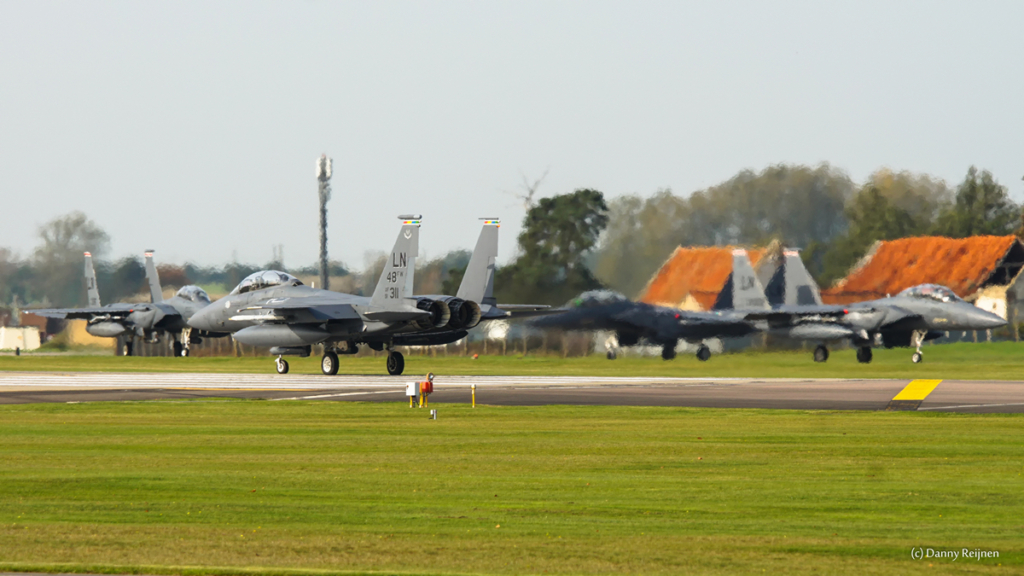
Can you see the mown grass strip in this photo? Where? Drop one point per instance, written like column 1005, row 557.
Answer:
column 294, row 487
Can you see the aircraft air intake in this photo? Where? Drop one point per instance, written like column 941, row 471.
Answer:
column 440, row 314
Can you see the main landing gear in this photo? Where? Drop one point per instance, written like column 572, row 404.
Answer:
column 821, row 353
column 396, row 363
column 703, row 353
column 668, row 351
column 864, row 354
column 329, row 363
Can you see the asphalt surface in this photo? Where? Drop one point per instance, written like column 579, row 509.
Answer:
column 800, row 394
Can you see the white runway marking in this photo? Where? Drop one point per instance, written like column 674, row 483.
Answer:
column 123, row 380
column 970, row 406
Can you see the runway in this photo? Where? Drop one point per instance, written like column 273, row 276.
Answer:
column 798, row 394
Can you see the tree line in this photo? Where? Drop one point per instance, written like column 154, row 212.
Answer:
column 580, row 241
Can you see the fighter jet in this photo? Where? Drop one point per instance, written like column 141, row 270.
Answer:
column 275, row 309
column 739, row 310
column 910, row 318
column 630, row 322
column 127, row 321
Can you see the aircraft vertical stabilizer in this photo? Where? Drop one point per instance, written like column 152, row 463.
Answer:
column 478, row 280
column 395, row 284
column 742, row 290
column 156, row 293
column 801, row 289
column 91, row 290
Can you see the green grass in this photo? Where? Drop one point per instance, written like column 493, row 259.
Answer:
column 1002, row 360
column 270, row 487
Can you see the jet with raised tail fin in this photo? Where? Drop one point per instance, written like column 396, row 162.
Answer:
column 275, row 309
column 908, row 319
column 147, row 321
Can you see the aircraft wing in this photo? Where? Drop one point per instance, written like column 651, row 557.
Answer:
column 87, row 313
column 518, row 311
column 791, row 313
column 643, row 320
column 326, row 309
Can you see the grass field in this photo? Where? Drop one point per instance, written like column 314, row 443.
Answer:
column 1002, row 360
column 255, row 486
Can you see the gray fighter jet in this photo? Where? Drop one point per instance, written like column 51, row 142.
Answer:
column 910, row 318
column 127, row 321
column 276, row 310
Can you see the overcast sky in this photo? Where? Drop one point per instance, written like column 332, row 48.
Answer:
column 192, row 127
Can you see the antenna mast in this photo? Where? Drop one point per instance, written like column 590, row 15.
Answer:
column 323, row 176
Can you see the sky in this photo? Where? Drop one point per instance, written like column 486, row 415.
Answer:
column 193, row 128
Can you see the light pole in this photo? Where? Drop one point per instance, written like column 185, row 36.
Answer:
column 323, row 176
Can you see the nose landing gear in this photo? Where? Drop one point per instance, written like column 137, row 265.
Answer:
column 282, row 365
column 917, row 339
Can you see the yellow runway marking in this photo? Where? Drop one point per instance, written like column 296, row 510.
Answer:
column 917, row 390
column 912, row 395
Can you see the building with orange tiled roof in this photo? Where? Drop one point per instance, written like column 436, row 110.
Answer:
column 693, row 277
column 980, row 269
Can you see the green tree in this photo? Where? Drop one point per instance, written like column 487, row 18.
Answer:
column 887, row 206
column 558, row 235
column 799, row 205
column 982, row 206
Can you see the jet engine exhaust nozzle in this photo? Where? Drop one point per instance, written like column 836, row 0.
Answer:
column 440, row 313
column 465, row 313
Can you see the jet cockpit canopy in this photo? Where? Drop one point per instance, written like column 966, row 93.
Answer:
column 597, row 298
column 265, row 279
column 194, row 293
column 933, row 291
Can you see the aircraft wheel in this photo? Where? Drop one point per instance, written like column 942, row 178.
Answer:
column 917, row 357
column 610, row 355
column 864, row 354
column 184, row 352
column 282, row 366
column 396, row 363
column 668, row 352
column 703, row 353
column 329, row 363
column 177, row 348
column 129, row 348
column 821, row 353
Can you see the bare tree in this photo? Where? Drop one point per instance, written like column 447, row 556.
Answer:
column 528, row 190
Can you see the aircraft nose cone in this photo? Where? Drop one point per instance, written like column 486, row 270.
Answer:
column 986, row 320
column 200, row 320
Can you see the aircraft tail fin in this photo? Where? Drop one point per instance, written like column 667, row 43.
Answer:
column 801, row 289
column 478, row 280
column 395, row 284
column 91, row 290
column 742, row 290
column 156, row 293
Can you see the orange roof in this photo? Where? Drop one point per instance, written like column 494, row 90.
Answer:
column 700, row 272
column 962, row 264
